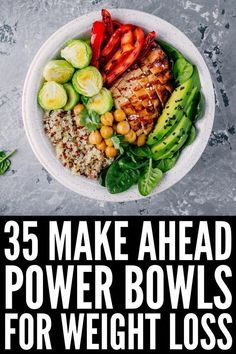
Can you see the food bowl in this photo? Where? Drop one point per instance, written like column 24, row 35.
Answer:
column 32, row 113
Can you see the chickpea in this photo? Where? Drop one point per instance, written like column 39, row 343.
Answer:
column 95, row 138
column 123, row 127
column 130, row 136
column 107, row 119
column 106, row 132
column 78, row 109
column 101, row 146
column 141, row 140
column 109, row 142
column 111, row 151
column 119, row 115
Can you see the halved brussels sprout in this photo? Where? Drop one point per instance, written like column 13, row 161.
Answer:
column 58, row 70
column 73, row 97
column 101, row 103
column 78, row 53
column 52, row 96
column 88, row 81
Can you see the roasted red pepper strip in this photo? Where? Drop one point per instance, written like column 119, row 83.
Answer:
column 97, row 37
column 148, row 43
column 116, row 24
column 117, row 58
column 107, row 20
column 115, row 40
column 129, row 60
column 127, row 41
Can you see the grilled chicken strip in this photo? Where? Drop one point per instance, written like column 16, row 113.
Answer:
column 143, row 90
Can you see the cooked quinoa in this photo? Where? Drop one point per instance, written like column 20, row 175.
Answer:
column 70, row 140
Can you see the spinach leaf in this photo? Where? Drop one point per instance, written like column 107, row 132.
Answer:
column 141, row 151
column 118, row 179
column 149, row 179
column 102, row 176
column 166, row 164
column 171, row 51
column 130, row 162
column 182, row 70
column 90, row 119
column 191, row 137
column 200, row 107
column 4, row 161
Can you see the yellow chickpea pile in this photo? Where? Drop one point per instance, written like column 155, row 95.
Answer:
column 113, row 122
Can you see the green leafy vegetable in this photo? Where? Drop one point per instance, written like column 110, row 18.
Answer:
column 199, row 108
column 119, row 143
column 149, row 179
column 166, row 164
column 102, row 176
column 118, row 179
column 84, row 100
column 141, row 151
column 171, row 51
column 90, row 119
column 192, row 136
column 182, row 70
column 4, row 161
column 130, row 162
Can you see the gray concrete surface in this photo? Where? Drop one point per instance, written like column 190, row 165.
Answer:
column 210, row 188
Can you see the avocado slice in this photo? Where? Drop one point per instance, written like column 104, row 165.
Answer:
column 175, row 108
column 179, row 144
column 175, row 138
column 191, row 108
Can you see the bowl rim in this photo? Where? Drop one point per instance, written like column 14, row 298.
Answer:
column 105, row 196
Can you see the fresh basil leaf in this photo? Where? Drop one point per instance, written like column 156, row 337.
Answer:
column 182, row 70
column 4, row 161
column 166, row 164
column 149, row 179
column 90, row 119
column 118, row 179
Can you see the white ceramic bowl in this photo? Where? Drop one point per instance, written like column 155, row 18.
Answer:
column 32, row 114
